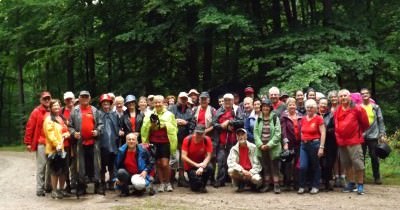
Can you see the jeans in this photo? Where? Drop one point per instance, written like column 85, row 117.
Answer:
column 309, row 161
column 42, row 173
column 371, row 145
column 222, row 155
column 198, row 182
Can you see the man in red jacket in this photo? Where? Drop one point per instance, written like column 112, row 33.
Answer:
column 350, row 123
column 36, row 141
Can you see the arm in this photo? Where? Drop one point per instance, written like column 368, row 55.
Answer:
column 257, row 134
column 322, row 130
column 30, row 128
column 285, row 140
column 276, row 139
column 231, row 161
column 50, row 130
column 100, row 125
column 150, row 161
column 145, row 130
column 381, row 124
column 247, row 127
column 256, row 165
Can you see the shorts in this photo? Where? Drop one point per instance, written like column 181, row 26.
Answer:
column 352, row 156
column 162, row 150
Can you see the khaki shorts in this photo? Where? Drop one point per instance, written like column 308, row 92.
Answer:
column 352, row 156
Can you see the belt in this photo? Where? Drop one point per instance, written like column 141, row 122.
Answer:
column 309, row 141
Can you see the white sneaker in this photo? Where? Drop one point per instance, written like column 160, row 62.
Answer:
column 314, row 190
column 161, row 187
column 301, row 190
column 168, row 187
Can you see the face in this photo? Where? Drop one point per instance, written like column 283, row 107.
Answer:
column 221, row 101
column 344, row 98
column 228, row 103
column 204, row 101
column 323, row 105
column 311, row 95
column 299, row 97
column 131, row 140
column 236, row 99
column 194, row 98
column 171, row 101
column 183, row 100
column 55, row 109
column 199, row 135
column 265, row 109
column 45, row 101
column 69, row 102
column 365, row 95
column 241, row 137
column 84, row 100
column 274, row 97
column 257, row 106
column 150, row 102
column 334, row 99
column 142, row 104
column 106, row 106
column 310, row 110
column 119, row 106
column 158, row 105
column 291, row 107
column 248, row 106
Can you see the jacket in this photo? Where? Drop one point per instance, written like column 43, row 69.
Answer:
column 236, row 122
column 167, row 119
column 54, row 134
column 233, row 159
column 274, row 143
column 350, row 125
column 75, row 126
column 377, row 128
column 287, row 128
column 183, row 130
column 145, row 161
column 210, row 112
column 110, row 135
column 330, row 129
column 34, row 127
column 249, row 123
column 126, row 123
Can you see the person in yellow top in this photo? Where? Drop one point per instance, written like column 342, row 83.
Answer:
column 160, row 129
column 56, row 130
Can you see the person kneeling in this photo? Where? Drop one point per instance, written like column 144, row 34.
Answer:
column 196, row 154
column 243, row 165
column 132, row 167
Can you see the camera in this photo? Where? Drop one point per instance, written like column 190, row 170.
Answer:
column 154, row 119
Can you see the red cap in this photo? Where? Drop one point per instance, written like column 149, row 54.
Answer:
column 45, row 94
column 105, row 97
column 249, row 90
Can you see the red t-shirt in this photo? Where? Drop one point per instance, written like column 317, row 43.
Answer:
column 87, row 126
column 133, row 123
column 224, row 136
column 201, row 119
column 275, row 106
column 130, row 162
column 159, row 136
column 310, row 128
column 296, row 128
column 244, row 159
column 197, row 151
column 66, row 115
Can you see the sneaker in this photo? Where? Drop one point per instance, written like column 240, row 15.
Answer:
column 168, row 187
column 40, row 193
column 218, row 184
column 240, row 188
column 161, row 187
column 53, row 194
column 301, row 190
column 378, row 181
column 203, row 190
column 265, row 188
column 351, row 187
column 182, row 182
column 151, row 191
column 314, row 190
column 65, row 194
column 99, row 189
column 277, row 189
column 360, row 189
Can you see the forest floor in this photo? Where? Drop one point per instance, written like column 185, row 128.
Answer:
column 17, row 190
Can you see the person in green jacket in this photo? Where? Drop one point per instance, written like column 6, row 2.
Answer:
column 160, row 129
column 267, row 136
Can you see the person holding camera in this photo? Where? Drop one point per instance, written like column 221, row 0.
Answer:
column 55, row 131
column 160, row 129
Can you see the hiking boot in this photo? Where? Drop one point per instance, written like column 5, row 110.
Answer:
column 65, row 194
column 218, row 184
column 360, row 189
column 151, row 191
column 40, row 193
column 314, row 190
column 328, row 186
column 54, row 194
column 168, row 187
column 265, row 188
column 351, row 187
column 182, row 182
column 161, row 187
column 203, row 190
column 99, row 189
column 240, row 188
column 301, row 190
column 378, row 181
column 110, row 186
column 277, row 189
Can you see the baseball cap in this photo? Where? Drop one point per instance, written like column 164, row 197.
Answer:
column 193, row 91
column 130, row 98
column 228, row 96
column 183, row 94
column 45, row 94
column 241, row 130
column 204, row 95
column 84, row 93
column 150, row 96
column 199, row 128
column 69, row 94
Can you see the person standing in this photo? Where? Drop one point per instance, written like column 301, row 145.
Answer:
column 351, row 121
column 85, row 127
column 278, row 105
column 69, row 99
column 131, row 121
column 35, row 140
column 375, row 133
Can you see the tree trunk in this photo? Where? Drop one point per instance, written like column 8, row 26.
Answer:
column 313, row 11
column 20, row 68
column 207, row 58
column 256, row 9
column 288, row 13
column 2, row 81
column 373, row 82
column 227, row 69
column 121, row 65
column 192, row 63
column 294, row 12
column 109, row 67
column 92, row 70
column 327, row 4
column 303, row 12
column 235, row 62
column 69, row 64
column 276, row 16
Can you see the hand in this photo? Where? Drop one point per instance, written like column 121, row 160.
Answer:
column 59, row 147
column 29, row 148
column 183, row 122
column 264, row 147
column 225, row 124
column 117, row 182
column 246, row 173
column 320, row 152
column 66, row 135
column 121, row 133
column 382, row 139
column 199, row 171
column 143, row 174
column 94, row 133
column 231, row 128
column 77, row 135
column 286, row 146
column 202, row 165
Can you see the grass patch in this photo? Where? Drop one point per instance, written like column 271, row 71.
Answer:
column 13, row 148
column 152, row 204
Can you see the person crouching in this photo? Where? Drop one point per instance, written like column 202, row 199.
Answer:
column 243, row 164
column 133, row 160
column 196, row 154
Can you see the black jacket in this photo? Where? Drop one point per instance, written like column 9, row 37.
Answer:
column 127, row 126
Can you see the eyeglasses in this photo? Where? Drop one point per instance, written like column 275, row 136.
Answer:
column 365, row 93
column 46, row 99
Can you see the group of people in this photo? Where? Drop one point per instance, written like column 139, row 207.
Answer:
column 262, row 144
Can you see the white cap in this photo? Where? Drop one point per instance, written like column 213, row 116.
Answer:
column 183, row 94
column 193, row 91
column 69, row 94
column 228, row 96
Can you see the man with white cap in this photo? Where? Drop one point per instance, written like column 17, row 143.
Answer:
column 183, row 116
column 69, row 99
column 194, row 95
column 224, row 122
column 243, row 164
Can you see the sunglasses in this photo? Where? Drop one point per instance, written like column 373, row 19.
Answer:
column 46, row 98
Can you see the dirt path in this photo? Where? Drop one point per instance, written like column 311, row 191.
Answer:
column 17, row 191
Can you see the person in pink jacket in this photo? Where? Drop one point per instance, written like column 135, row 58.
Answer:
column 350, row 123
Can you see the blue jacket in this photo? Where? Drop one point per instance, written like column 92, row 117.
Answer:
column 145, row 161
